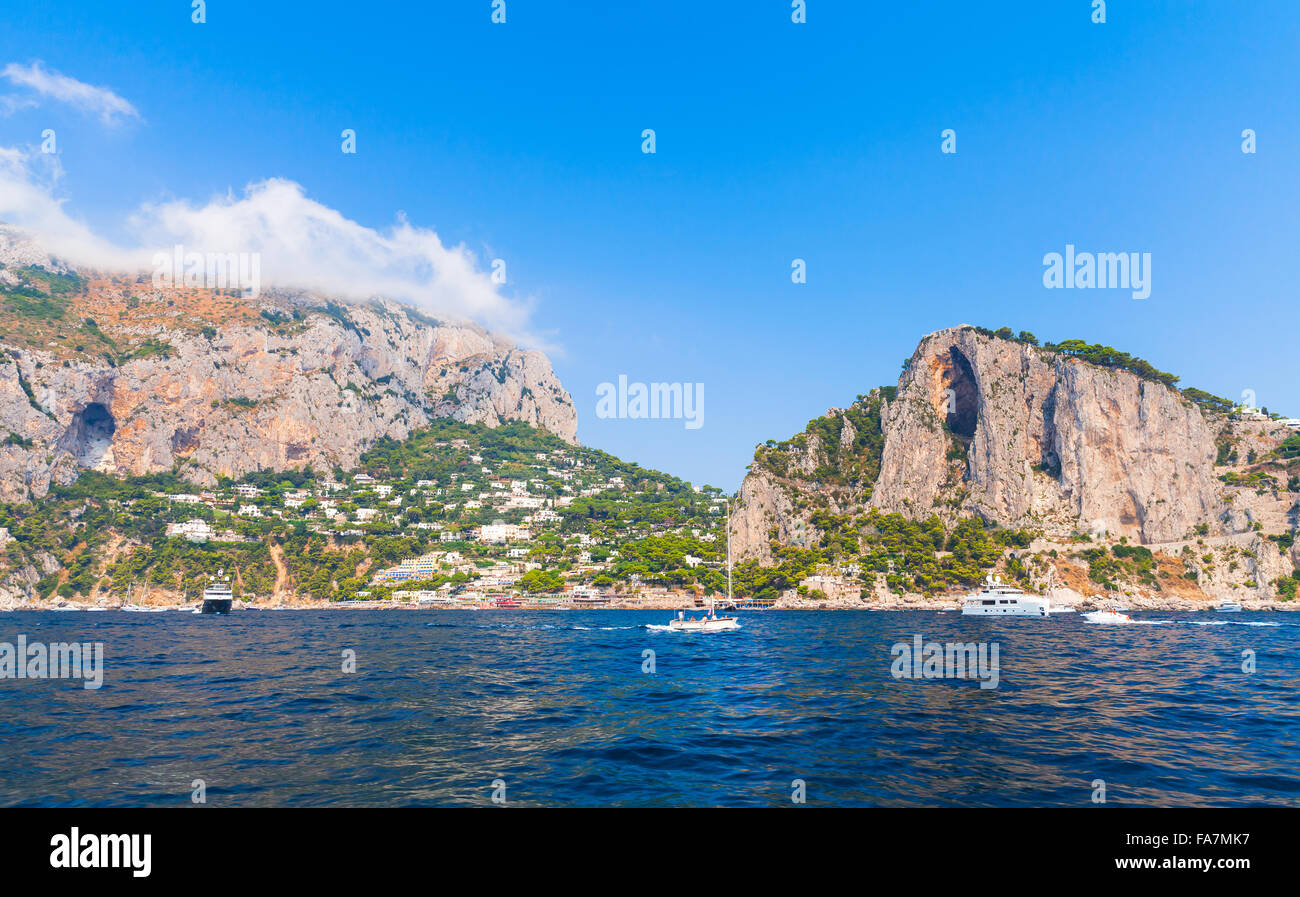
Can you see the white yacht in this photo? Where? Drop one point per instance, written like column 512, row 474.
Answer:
column 217, row 599
column 711, row 622
column 999, row 600
column 1228, row 607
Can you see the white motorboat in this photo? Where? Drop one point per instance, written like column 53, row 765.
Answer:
column 999, row 600
column 711, row 622
column 1228, row 607
column 1109, row 617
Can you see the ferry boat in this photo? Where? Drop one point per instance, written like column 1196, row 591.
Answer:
column 1228, row 607
column 217, row 599
column 999, row 600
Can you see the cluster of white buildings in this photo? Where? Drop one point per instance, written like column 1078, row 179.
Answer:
column 197, row 530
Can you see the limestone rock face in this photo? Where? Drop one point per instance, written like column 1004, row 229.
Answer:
column 244, row 397
column 1046, row 439
column 1030, row 438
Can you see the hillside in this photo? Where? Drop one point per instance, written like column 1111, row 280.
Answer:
column 502, row 510
column 1071, row 457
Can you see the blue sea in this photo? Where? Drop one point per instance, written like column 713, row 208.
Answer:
column 545, row 708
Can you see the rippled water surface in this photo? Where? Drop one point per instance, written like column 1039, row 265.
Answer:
column 555, row 705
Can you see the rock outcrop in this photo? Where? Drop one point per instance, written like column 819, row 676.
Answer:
column 1029, row 437
column 297, row 380
column 1043, row 438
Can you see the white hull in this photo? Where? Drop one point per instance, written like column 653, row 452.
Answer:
column 717, row 625
column 1019, row 609
column 1107, row 617
column 998, row 600
column 1228, row 608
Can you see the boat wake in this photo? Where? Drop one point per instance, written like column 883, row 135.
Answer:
column 1109, row 618
column 1234, row 623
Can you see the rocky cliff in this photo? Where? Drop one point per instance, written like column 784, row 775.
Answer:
column 1024, row 435
column 105, row 372
column 1020, row 435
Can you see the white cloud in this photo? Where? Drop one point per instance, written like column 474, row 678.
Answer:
column 101, row 101
column 27, row 183
column 305, row 244
column 302, row 243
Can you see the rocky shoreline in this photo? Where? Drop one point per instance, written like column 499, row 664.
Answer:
column 917, row 602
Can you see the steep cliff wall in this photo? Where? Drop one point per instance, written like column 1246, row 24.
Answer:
column 1039, row 437
column 1034, row 438
column 114, row 376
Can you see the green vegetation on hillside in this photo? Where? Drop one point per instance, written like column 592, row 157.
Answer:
column 1106, row 356
column 1290, row 447
column 103, row 535
column 853, row 464
column 914, row 555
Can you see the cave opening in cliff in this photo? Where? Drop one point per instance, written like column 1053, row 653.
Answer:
column 962, row 397
column 92, row 435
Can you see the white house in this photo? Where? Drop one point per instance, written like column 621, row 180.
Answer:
column 192, row 530
column 499, row 533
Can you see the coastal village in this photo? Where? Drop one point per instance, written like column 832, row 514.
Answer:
column 489, row 528
column 511, row 518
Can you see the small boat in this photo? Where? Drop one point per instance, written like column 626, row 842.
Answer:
column 1228, row 607
column 711, row 622
column 998, row 600
column 706, row 623
column 217, row 599
column 1107, row 617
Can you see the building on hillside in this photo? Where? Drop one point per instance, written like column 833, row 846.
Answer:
column 500, row 533
column 191, row 530
column 426, row 566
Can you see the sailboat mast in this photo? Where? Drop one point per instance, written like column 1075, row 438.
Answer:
column 728, row 525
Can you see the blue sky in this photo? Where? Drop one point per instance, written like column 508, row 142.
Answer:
column 775, row 141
